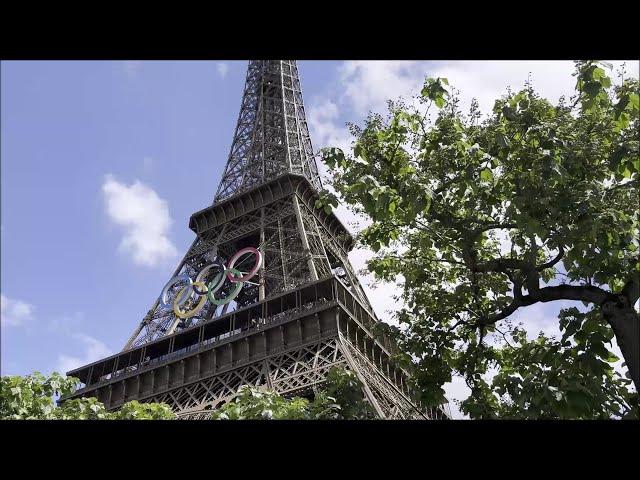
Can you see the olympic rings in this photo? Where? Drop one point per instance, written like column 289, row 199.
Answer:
column 164, row 300
column 207, row 291
column 193, row 311
column 220, row 278
column 202, row 274
column 251, row 272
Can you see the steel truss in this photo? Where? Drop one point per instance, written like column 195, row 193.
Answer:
column 296, row 242
column 297, row 373
column 271, row 135
column 290, row 372
column 266, row 200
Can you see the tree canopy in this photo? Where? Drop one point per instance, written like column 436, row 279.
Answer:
column 33, row 397
column 481, row 218
column 340, row 398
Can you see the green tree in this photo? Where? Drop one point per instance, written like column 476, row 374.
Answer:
column 546, row 378
column 32, row 397
column 134, row 410
column 340, row 398
column 255, row 403
column 481, row 218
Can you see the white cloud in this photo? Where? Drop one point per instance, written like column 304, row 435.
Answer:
column 18, row 313
column 365, row 86
column 488, row 80
column 369, row 84
column 223, row 69
column 325, row 131
column 93, row 350
column 145, row 219
column 14, row 313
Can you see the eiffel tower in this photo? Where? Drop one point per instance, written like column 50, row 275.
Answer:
column 265, row 295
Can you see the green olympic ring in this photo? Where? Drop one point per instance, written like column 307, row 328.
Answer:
column 218, row 281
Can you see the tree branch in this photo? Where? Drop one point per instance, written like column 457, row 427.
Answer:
column 551, row 263
column 584, row 293
column 503, row 264
column 494, row 226
column 631, row 289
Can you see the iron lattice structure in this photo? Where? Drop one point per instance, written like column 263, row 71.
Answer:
column 271, row 136
column 305, row 313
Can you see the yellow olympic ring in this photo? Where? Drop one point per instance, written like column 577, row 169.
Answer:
column 197, row 308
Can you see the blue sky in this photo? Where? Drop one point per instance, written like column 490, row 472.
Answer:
column 103, row 163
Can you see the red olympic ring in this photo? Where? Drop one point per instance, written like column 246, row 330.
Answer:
column 251, row 272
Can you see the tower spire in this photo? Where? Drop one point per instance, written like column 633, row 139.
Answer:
column 271, row 136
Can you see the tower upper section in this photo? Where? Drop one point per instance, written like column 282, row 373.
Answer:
column 272, row 136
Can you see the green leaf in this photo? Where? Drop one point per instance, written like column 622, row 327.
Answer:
column 578, row 402
column 611, row 358
column 486, row 175
column 509, row 113
column 502, row 140
column 332, row 156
